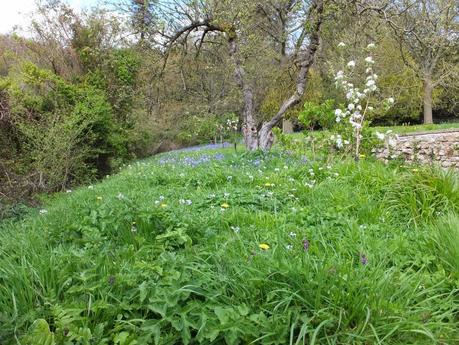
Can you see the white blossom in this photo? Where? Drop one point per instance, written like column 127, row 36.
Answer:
column 341, row 45
column 371, row 46
column 369, row 59
column 351, row 64
column 380, row 136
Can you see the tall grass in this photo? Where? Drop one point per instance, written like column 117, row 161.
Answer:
column 150, row 256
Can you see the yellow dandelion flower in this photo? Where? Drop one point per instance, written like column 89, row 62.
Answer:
column 414, row 170
column 267, row 184
column 224, row 205
column 99, row 198
column 263, row 246
column 362, row 156
column 163, row 205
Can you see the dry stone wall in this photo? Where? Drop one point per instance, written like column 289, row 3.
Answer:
column 440, row 147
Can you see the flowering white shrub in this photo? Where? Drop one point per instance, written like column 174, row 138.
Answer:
column 360, row 101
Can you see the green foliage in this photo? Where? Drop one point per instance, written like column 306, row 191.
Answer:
column 318, row 116
column 423, row 194
column 208, row 127
column 444, row 238
column 66, row 132
column 129, row 261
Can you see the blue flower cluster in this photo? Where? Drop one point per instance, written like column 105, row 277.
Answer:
column 205, row 147
column 190, row 160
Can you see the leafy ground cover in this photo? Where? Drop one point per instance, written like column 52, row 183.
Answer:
column 220, row 247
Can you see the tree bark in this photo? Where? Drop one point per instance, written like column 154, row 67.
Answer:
column 428, row 88
column 287, row 126
column 266, row 137
column 249, row 127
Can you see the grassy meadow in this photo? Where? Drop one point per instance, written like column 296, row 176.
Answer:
column 218, row 247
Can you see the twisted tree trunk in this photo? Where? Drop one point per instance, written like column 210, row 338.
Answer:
column 249, row 127
column 264, row 138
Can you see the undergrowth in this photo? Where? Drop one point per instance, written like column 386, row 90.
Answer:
column 218, row 247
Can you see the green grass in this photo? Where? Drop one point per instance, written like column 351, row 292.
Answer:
column 395, row 129
column 132, row 261
column 418, row 128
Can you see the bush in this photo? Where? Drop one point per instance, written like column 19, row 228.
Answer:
column 318, row 116
column 65, row 132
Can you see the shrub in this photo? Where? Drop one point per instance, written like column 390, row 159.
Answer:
column 66, row 132
column 318, row 116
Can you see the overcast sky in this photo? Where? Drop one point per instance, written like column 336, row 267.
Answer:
column 17, row 12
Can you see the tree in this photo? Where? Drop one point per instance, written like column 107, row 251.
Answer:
column 143, row 17
column 236, row 26
column 428, row 30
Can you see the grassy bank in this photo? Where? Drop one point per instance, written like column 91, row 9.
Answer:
column 216, row 247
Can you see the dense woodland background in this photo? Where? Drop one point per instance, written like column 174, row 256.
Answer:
column 83, row 93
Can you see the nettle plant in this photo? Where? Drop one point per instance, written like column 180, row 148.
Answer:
column 362, row 102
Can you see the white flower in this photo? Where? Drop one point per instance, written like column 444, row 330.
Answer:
column 292, row 234
column 338, row 112
column 368, row 70
column 370, row 108
column 391, row 100
column 288, row 247
column 91, row 187
column 351, row 106
column 43, row 211
column 341, row 45
column 236, row 229
column 351, row 64
column 68, row 191
column 346, row 142
column 229, row 178
column 370, row 83
column 369, row 59
column 380, row 136
column 371, row 46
